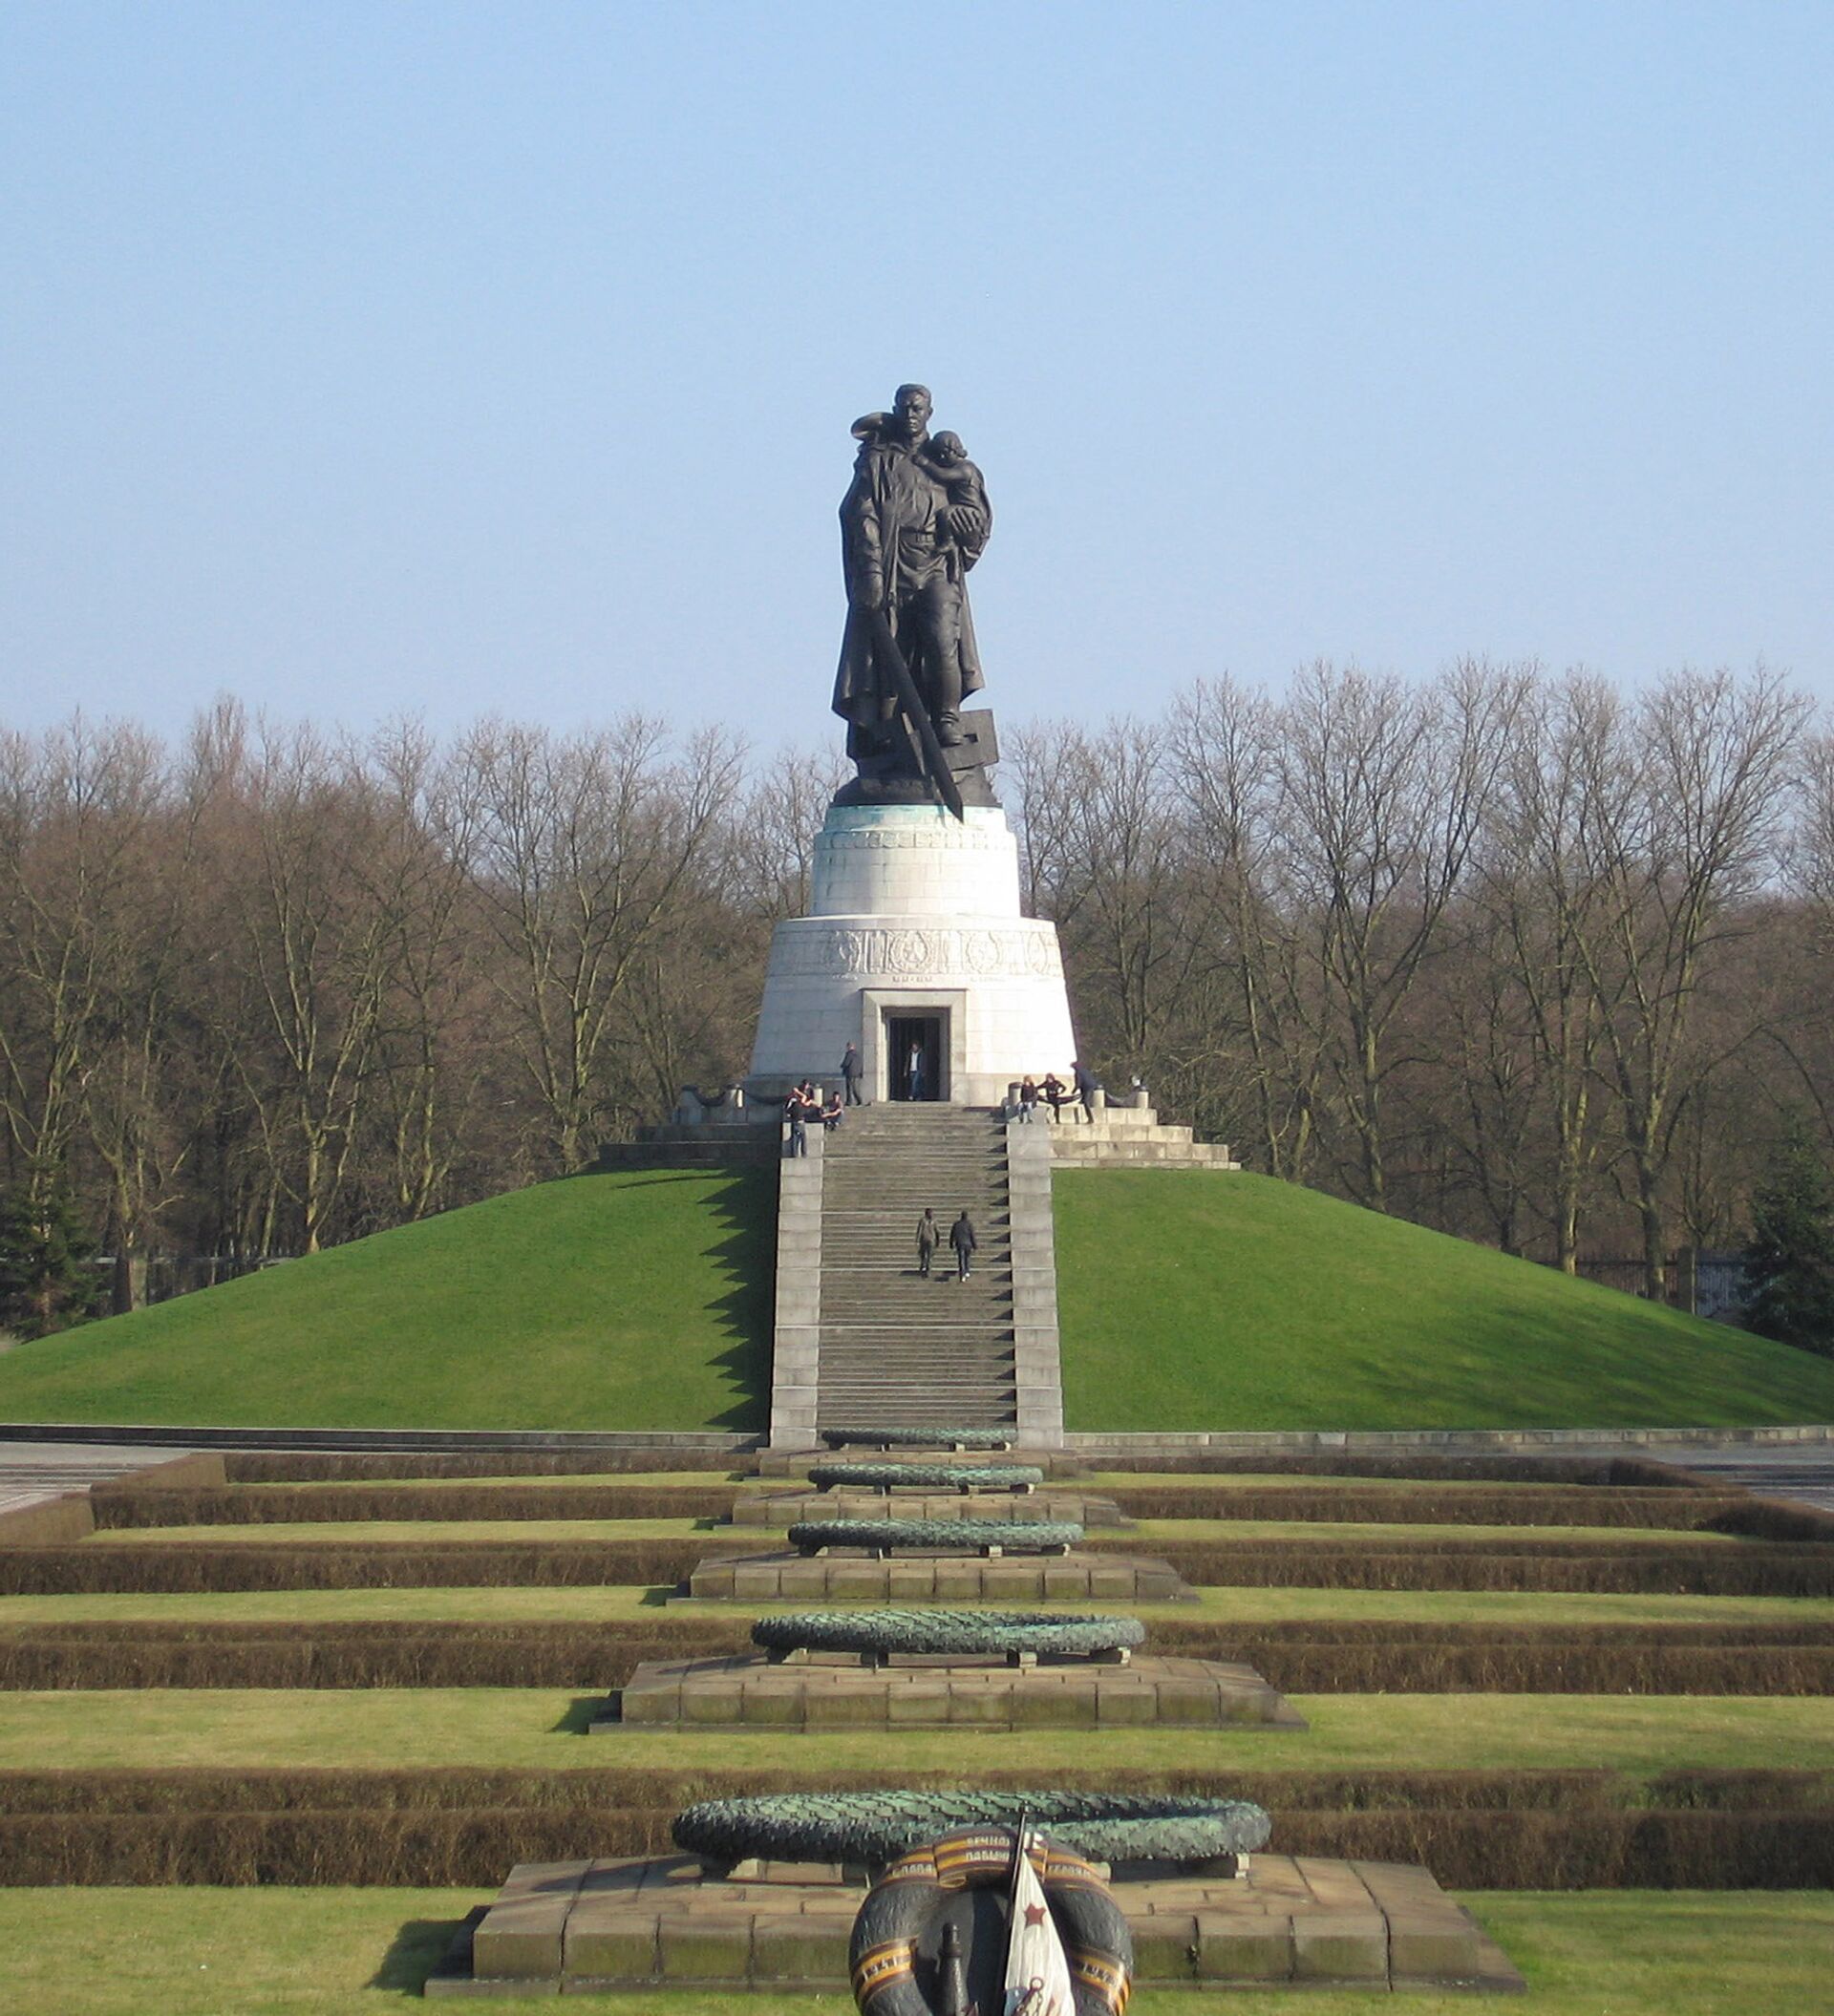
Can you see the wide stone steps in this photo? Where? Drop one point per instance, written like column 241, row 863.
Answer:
column 895, row 1348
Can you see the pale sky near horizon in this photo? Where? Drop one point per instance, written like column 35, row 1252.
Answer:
column 449, row 358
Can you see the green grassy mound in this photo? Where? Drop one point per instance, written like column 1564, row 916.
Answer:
column 640, row 1300
column 1189, row 1299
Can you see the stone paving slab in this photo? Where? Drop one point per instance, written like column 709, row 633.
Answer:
column 785, row 1508
column 1284, row 1921
column 850, row 1576
column 836, row 1692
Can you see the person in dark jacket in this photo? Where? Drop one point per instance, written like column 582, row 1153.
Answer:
column 850, row 1070
column 1088, row 1085
column 961, row 1237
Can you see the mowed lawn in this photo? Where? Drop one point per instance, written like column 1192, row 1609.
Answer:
column 640, row 1300
column 1193, row 1300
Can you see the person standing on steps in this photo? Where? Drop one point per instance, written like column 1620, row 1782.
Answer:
column 961, row 1236
column 850, row 1074
column 930, row 1236
column 914, row 1073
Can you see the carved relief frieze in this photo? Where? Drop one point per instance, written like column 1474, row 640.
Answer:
column 1027, row 951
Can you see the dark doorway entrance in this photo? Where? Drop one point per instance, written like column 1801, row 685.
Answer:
column 922, row 1034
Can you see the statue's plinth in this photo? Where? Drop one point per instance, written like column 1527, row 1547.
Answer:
column 853, row 1577
column 835, row 1691
column 915, row 928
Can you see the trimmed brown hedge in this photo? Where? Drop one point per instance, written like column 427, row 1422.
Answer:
column 188, row 1568
column 255, row 1467
column 1556, row 1506
column 123, row 1505
column 1529, row 1565
column 191, row 1789
column 1296, row 1657
column 1507, row 1850
column 1587, row 1469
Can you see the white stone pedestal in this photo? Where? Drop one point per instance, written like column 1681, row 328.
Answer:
column 914, row 915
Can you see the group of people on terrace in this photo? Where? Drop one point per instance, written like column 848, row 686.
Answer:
column 1053, row 1092
column 805, row 1104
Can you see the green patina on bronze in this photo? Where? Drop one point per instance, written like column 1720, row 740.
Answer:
column 946, row 1631
column 933, row 1477
column 973, row 1536
column 877, row 1826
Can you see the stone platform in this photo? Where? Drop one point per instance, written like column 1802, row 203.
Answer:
column 835, row 1691
column 785, row 1508
column 586, row 1927
column 799, row 1462
column 838, row 1577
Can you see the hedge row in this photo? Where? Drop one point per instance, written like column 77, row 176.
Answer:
column 1641, row 1571
column 1319, row 1659
column 257, row 1468
column 191, row 1790
column 123, row 1505
column 1592, row 1469
column 1515, row 1850
column 188, row 1568
column 1556, row 1506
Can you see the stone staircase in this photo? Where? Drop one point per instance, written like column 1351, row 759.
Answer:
column 896, row 1349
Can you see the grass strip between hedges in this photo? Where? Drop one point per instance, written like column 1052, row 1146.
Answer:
column 258, row 1728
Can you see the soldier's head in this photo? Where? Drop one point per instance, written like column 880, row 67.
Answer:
column 911, row 411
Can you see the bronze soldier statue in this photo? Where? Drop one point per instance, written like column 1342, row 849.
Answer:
column 913, row 521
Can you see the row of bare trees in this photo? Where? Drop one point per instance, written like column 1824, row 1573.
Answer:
column 270, row 989
column 1526, row 957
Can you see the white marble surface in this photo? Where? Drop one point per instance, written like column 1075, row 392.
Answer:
column 914, row 911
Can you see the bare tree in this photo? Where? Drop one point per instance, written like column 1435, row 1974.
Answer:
column 586, row 844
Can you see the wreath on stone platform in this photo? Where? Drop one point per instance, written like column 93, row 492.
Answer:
column 875, row 1828
column 923, row 1437
column 946, row 1631
column 935, row 1476
column 1010, row 1535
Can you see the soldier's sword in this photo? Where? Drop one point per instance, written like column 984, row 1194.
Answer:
column 885, row 649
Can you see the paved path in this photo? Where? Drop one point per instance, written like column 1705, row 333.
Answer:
column 30, row 1472
column 1802, row 1474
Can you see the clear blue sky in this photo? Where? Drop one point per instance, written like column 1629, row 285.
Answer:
column 449, row 357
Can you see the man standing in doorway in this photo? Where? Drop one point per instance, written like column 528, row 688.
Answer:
column 914, row 1085
column 961, row 1237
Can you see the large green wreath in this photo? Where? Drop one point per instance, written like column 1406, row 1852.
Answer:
column 1010, row 1535
column 877, row 1826
column 923, row 1437
column 936, row 1476
column 959, row 1631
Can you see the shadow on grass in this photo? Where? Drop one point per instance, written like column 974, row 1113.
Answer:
column 419, row 1948
column 744, row 1205
column 581, row 1714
